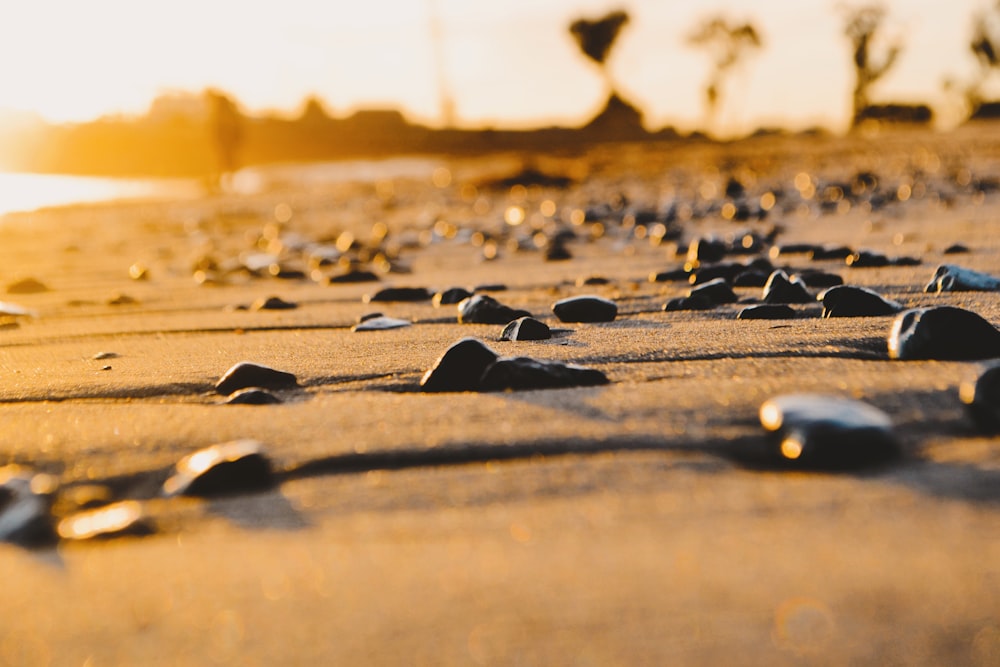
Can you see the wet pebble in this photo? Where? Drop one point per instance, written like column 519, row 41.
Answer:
column 944, row 333
column 587, row 308
column 353, row 276
column 450, row 297
column 818, row 279
column 381, row 323
column 272, row 303
column 851, row 301
column 459, row 368
column 409, row 294
column 523, row 373
column 715, row 291
column 252, row 396
column 952, row 278
column 766, row 311
column 817, row 431
column 782, row 289
column 707, row 249
column 26, row 499
column 697, row 302
column 956, row 249
column 247, row 374
column 115, row 520
column 526, row 328
column 484, row 309
column 982, row 398
column 239, row 466
column 669, row 276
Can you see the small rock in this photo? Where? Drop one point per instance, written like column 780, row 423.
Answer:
column 484, row 309
column 138, row 271
column 353, row 276
column 781, row 289
column 451, row 296
column 410, row 294
column 943, row 333
column 751, row 278
column 590, row 281
column 864, row 259
column 715, row 291
column 26, row 501
column 817, row 279
column 556, row 251
column 490, row 287
column 522, row 373
column 246, row 374
column 951, row 278
column 827, row 252
column 122, row 300
column 703, row 250
column 982, row 398
column 794, row 249
column 252, row 396
column 27, row 286
column 673, row 275
column 459, row 368
column 697, row 302
column 956, row 249
column 13, row 310
column 239, row 466
column 850, row 301
column 585, row 309
column 369, row 316
column 828, row 432
column 381, row 324
column 526, row 328
column 115, row 520
column 100, row 356
column 273, row 303
column 766, row 312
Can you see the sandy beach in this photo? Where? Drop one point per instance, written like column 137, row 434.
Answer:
column 638, row 522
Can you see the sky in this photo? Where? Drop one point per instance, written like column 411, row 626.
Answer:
column 507, row 64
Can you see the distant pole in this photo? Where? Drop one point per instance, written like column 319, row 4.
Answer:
column 437, row 44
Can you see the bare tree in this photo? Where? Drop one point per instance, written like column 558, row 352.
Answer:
column 861, row 27
column 595, row 39
column 728, row 43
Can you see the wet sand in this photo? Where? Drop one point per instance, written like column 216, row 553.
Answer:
column 632, row 523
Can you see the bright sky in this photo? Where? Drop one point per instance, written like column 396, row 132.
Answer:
column 509, row 63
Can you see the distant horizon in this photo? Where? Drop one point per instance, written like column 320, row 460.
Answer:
column 511, row 67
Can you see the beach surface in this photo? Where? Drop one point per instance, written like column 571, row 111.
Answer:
column 638, row 522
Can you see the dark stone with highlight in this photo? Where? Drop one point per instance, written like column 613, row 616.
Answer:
column 766, row 311
column 781, row 289
column 452, row 296
column 945, row 333
column 240, row 466
column 851, row 301
column 459, row 368
column 982, row 399
column 715, row 291
column 407, row 294
column 484, row 309
column 526, row 328
column 585, row 309
column 523, row 373
column 273, row 303
column 246, row 374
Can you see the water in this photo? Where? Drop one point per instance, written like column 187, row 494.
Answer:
column 29, row 192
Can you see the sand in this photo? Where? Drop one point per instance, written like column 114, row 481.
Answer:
column 626, row 524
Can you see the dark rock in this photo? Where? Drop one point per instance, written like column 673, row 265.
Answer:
column 850, row 301
column 400, row 294
column 556, row 251
column 727, row 271
column 246, row 374
column 818, row 279
column 354, row 276
column 273, row 303
column 944, row 333
column 115, row 520
column 452, row 296
column 526, row 328
column 252, row 396
column 715, row 291
column 490, row 287
column 817, row 431
column 838, row 252
column 865, row 259
column 483, row 309
column 697, row 302
column 982, row 399
column 521, row 373
column 781, row 289
column 27, row 286
column 239, row 466
column 100, row 356
column 381, row 324
column 286, row 272
column 459, row 368
column 795, row 249
column 590, row 281
column 956, row 249
column 675, row 275
column 905, row 261
column 751, row 278
column 703, row 250
column 585, row 309
column 370, row 316
column 766, row 312
column 951, row 278
column 26, row 501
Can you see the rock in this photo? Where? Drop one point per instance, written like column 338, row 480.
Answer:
column 252, row 396
column 817, row 279
column 246, row 374
column 353, row 276
column 490, row 287
column 459, row 368
column 585, row 309
column 703, row 250
column 905, row 261
column 272, row 303
column 27, row 286
column 697, row 302
column 115, row 520
column 982, row 398
column 794, row 249
column 14, row 310
column 411, row 294
column 381, row 323
column 951, row 278
column 590, row 281
column 781, row 289
column 865, row 259
column 850, row 301
column 526, row 328
column 766, row 312
column 100, row 356
column 239, row 466
column 26, row 501
column 673, row 275
column 122, row 300
column 943, row 333
column 451, row 296
column 715, row 292
column 820, row 431
column 484, row 309
column 726, row 270
column 369, row 316
column 956, row 249
column 751, row 278
column 834, row 252
column 556, row 251
column 522, row 373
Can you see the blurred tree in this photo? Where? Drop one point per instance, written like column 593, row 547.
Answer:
column 728, row 44
column 861, row 27
column 595, row 39
column 226, row 128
